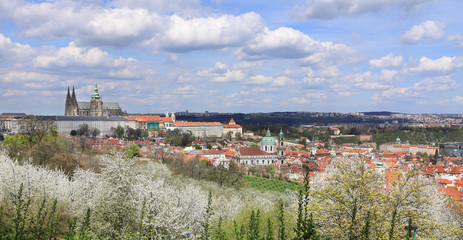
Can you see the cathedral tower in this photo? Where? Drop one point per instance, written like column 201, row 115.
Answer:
column 96, row 103
column 68, row 105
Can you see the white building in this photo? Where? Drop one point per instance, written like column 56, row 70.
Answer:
column 106, row 125
column 200, row 129
column 232, row 129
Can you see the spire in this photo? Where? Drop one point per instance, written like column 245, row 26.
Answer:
column 281, row 133
column 67, row 105
column 95, row 92
column 74, row 98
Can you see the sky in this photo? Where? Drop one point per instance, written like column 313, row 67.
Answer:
column 153, row 56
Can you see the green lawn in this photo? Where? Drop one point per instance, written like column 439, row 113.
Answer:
column 276, row 185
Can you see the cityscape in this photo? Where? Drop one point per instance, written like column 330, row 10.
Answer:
column 231, row 120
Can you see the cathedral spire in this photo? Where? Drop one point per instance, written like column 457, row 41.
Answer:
column 74, row 98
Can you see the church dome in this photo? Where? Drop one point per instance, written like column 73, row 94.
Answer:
column 268, row 138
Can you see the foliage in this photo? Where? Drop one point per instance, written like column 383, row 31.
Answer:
column 205, row 225
column 353, row 200
column 133, row 151
column 120, row 131
column 29, row 220
column 83, row 130
column 265, row 184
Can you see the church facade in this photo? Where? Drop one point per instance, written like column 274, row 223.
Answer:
column 96, row 106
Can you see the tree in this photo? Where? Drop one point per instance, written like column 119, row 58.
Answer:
column 133, row 151
column 238, row 136
column 34, row 128
column 119, row 131
column 95, row 132
column 73, row 133
column 353, row 199
column 83, row 130
column 205, row 225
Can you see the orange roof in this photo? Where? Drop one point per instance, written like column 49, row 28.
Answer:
column 231, row 121
column 143, row 118
column 443, row 181
column 231, row 126
column 229, row 153
column 252, row 151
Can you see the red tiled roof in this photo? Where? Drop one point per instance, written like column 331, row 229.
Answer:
column 252, row 151
column 231, row 126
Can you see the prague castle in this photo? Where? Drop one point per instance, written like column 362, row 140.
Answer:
column 96, row 106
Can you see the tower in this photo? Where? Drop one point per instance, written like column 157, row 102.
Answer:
column 268, row 144
column 96, row 103
column 74, row 103
column 68, row 105
column 281, row 147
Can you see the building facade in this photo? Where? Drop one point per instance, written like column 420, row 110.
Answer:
column 232, row 129
column 200, row 129
column 106, row 125
column 96, row 106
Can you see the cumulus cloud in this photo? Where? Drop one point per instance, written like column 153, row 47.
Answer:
column 336, row 8
column 289, row 43
column 78, row 59
column 436, row 84
column 184, row 7
column 387, row 61
column 10, row 50
column 208, row 33
column 428, row 30
column 130, row 26
column 441, row 66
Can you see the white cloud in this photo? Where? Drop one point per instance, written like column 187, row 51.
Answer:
column 289, row 43
column 387, row 61
column 418, row 90
column 435, row 84
column 17, row 77
column 336, row 8
column 458, row 38
column 10, row 50
column 128, row 25
column 183, row 7
column 88, row 60
column 208, row 33
column 280, row 81
column 372, row 81
column 428, row 30
column 441, row 66
column 221, row 73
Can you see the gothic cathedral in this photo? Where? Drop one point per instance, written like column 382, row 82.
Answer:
column 95, row 107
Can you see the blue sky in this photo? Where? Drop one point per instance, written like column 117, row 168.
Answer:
column 233, row 56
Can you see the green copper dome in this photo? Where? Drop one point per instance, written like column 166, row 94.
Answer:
column 268, row 138
column 281, row 133
column 95, row 92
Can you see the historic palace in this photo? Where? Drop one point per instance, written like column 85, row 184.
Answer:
column 96, row 106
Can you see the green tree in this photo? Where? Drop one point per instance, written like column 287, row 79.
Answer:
column 133, row 151
column 205, row 224
column 119, row 131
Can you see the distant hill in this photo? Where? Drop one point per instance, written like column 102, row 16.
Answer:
column 380, row 113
